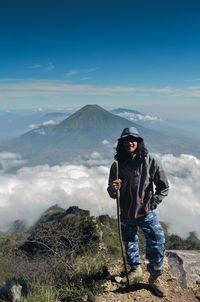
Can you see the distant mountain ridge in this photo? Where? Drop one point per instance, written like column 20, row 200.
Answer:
column 93, row 122
column 122, row 110
column 55, row 115
column 136, row 116
column 84, row 132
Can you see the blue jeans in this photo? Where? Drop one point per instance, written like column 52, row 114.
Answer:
column 155, row 241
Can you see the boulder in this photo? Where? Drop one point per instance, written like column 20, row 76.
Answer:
column 13, row 290
column 185, row 265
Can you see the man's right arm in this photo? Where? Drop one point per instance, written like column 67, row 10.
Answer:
column 113, row 183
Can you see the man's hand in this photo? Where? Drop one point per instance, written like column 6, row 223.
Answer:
column 116, row 184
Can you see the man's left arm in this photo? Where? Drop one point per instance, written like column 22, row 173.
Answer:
column 161, row 185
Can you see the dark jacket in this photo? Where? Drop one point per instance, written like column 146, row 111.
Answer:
column 137, row 193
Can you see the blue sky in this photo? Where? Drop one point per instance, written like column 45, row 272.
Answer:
column 142, row 54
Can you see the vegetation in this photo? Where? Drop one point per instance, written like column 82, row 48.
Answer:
column 61, row 257
column 65, row 256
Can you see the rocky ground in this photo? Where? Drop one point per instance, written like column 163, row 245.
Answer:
column 141, row 292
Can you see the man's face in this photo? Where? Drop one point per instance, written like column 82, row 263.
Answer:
column 130, row 144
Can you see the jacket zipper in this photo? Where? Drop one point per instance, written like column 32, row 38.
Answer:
column 142, row 202
column 131, row 196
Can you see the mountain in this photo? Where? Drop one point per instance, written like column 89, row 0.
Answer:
column 89, row 129
column 13, row 124
column 136, row 116
column 95, row 124
column 57, row 117
column 182, row 128
column 53, row 115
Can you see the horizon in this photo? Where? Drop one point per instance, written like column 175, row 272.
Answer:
column 186, row 125
column 72, row 109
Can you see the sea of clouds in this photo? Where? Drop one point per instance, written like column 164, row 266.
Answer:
column 29, row 191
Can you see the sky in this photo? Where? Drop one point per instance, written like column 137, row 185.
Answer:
column 26, row 194
column 143, row 55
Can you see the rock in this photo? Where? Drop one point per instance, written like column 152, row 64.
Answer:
column 118, row 279
column 13, row 289
column 185, row 265
column 76, row 210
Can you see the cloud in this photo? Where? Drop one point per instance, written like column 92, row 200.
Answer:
column 72, row 72
column 46, row 123
column 83, row 71
column 40, row 131
column 139, row 117
column 181, row 209
column 85, row 79
column 50, row 66
column 92, row 69
column 50, row 122
column 31, row 190
column 27, row 88
column 38, row 110
column 33, row 126
column 10, row 160
column 45, row 88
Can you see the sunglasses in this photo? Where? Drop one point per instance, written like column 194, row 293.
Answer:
column 130, row 139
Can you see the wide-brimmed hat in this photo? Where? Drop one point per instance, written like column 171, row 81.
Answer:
column 132, row 131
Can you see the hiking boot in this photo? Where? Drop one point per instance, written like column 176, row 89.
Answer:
column 134, row 275
column 158, row 287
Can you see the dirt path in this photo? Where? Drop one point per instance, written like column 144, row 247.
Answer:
column 141, row 292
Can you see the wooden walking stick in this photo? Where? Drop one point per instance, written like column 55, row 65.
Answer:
column 119, row 224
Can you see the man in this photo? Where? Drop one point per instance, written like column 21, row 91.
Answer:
column 139, row 173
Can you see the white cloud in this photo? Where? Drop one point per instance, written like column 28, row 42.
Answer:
column 50, row 66
column 39, row 109
column 95, row 155
column 32, row 126
column 181, row 209
column 72, row 72
column 26, row 194
column 10, row 160
column 50, row 122
column 27, row 88
column 139, row 117
column 39, row 131
column 94, row 159
column 46, row 123
column 83, row 71
column 105, row 142
column 148, row 117
column 32, row 190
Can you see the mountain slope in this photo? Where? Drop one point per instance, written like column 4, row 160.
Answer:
column 89, row 129
column 94, row 122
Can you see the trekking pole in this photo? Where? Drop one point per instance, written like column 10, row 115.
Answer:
column 119, row 225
